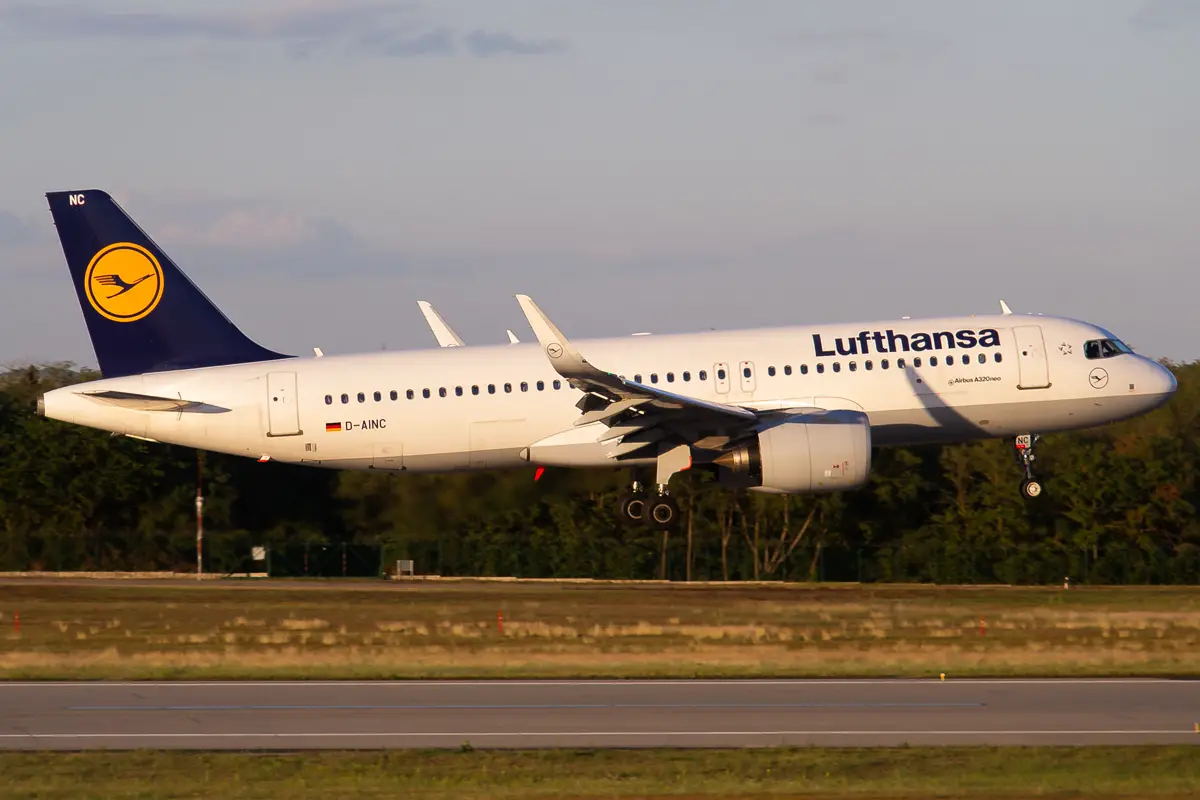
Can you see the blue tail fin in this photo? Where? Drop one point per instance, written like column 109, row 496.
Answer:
column 142, row 312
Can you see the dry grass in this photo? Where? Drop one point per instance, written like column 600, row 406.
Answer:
column 879, row 774
column 438, row 630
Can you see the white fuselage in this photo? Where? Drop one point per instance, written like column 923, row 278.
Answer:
column 490, row 407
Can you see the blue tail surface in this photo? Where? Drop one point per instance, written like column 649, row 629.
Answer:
column 142, row 312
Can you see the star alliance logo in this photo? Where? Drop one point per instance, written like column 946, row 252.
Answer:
column 1065, row 349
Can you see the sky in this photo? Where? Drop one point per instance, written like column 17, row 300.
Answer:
column 318, row 166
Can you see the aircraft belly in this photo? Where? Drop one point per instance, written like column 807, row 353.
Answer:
column 943, row 423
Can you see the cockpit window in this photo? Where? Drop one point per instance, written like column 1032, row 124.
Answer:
column 1104, row 348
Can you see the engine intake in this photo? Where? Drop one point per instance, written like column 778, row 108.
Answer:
column 817, row 452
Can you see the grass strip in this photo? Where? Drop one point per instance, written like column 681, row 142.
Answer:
column 496, row 630
column 1014, row 772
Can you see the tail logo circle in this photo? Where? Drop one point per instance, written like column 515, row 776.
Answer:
column 123, row 282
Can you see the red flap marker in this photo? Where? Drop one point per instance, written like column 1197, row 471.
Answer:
column 537, row 476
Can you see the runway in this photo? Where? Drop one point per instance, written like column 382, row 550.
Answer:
column 536, row 714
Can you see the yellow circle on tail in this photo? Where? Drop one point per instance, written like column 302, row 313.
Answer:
column 123, row 282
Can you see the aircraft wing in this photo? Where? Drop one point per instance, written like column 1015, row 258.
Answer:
column 445, row 335
column 638, row 414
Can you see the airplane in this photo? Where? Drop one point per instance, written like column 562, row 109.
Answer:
column 443, row 333
column 781, row 410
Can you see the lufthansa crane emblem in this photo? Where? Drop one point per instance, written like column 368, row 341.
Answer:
column 1098, row 378
column 554, row 350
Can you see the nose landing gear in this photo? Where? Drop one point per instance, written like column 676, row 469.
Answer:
column 1023, row 446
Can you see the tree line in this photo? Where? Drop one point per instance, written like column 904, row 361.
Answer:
column 1119, row 507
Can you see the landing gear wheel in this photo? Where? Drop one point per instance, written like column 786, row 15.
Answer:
column 1031, row 488
column 633, row 508
column 662, row 512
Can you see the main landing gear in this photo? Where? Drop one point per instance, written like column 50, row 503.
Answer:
column 1031, row 487
column 656, row 508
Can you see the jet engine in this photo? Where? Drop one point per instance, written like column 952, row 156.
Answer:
column 813, row 452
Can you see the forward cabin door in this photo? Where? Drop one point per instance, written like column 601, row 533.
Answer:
column 283, row 408
column 1031, row 357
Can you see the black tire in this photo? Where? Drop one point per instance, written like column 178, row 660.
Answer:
column 662, row 512
column 1031, row 489
column 633, row 508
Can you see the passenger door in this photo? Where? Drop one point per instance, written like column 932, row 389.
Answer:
column 746, row 375
column 1032, row 364
column 283, row 409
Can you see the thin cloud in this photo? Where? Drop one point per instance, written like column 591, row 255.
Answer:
column 1167, row 15
column 395, row 30
column 485, row 44
column 14, row 230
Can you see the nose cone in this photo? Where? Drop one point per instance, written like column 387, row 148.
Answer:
column 1160, row 385
column 41, row 405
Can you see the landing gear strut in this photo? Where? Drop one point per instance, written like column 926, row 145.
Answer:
column 1031, row 487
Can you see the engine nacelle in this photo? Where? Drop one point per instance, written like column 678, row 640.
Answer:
column 817, row 452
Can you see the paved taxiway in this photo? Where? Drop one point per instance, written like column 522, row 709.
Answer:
column 312, row 715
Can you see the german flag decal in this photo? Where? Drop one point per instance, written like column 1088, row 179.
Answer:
column 330, row 427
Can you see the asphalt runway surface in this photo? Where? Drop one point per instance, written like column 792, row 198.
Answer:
column 533, row 714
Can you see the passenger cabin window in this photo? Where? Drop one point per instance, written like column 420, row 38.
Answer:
column 425, row 393
column 933, row 361
column 998, row 357
column 557, row 384
column 917, row 362
column 328, row 399
column 745, row 372
column 670, row 377
column 804, row 369
column 541, row 386
column 458, row 391
column 442, row 392
column 362, row 398
column 899, row 363
column 853, row 366
column 1104, row 348
column 637, row 378
column 654, row 377
column 409, row 394
column 787, row 369
column 524, row 386
column 837, row 366
column 378, row 397
column 687, row 376
column 491, row 388
column 394, row 394
column 703, row 375
column 345, row 398
column 820, row 368
column 883, row 363
column 771, row 372
column 869, row 365
column 475, row 388
column 720, row 374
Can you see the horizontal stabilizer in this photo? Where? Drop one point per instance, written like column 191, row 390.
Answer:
column 148, row 402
